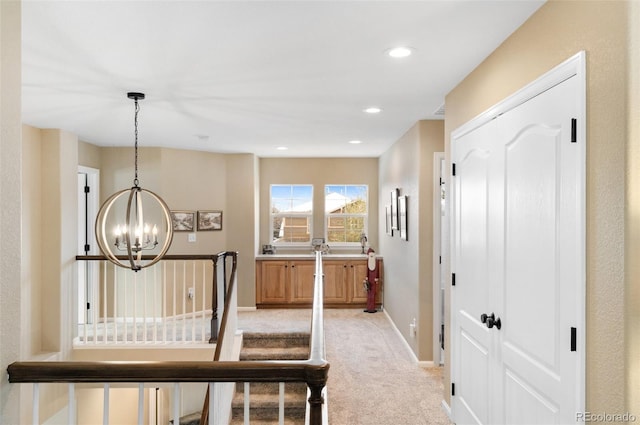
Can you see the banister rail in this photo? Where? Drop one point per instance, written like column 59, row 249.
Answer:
column 313, row 371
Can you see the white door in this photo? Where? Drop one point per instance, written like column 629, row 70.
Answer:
column 518, row 263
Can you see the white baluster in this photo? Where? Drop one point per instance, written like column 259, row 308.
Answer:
column 212, row 395
column 35, row 412
column 193, row 301
column 134, row 321
column 164, row 301
column 140, row 403
column 175, row 283
column 72, row 404
column 175, row 403
column 115, row 304
column 144, row 304
column 281, row 403
column 105, row 405
column 246, row 403
column 184, row 300
column 203, row 322
column 105, row 323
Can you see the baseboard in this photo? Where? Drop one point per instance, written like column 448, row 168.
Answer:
column 426, row 363
column 446, row 409
column 404, row 341
column 246, row 308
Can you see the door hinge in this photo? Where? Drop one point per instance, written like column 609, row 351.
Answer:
column 453, row 279
column 442, row 336
column 453, row 169
column 87, row 189
column 574, row 338
column 440, row 259
column 88, row 306
column 574, row 130
column 453, row 389
column 87, row 248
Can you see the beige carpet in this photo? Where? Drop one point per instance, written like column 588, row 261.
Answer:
column 372, row 379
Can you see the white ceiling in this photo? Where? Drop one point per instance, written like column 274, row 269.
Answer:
column 250, row 76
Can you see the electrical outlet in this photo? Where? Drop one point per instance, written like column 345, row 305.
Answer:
column 191, row 237
column 191, row 293
column 412, row 328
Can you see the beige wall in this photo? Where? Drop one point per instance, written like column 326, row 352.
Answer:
column 192, row 180
column 408, row 268
column 319, row 172
column 89, row 155
column 11, row 301
column 558, row 30
column 632, row 234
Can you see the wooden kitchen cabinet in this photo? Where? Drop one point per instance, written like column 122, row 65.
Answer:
column 289, row 283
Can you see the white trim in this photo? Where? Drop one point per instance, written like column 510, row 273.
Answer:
column 446, row 409
column 404, row 341
column 439, row 255
column 426, row 363
column 575, row 65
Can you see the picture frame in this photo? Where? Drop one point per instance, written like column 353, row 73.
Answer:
column 183, row 220
column 402, row 217
column 209, row 220
column 387, row 210
column 394, row 208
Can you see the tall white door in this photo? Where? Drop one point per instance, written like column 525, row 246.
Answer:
column 518, row 264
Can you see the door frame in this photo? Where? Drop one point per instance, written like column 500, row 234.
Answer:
column 88, row 271
column 574, row 66
column 440, row 257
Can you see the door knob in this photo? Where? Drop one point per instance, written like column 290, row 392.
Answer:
column 494, row 322
column 484, row 317
column 491, row 320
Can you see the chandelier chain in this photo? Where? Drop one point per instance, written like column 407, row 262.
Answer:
column 135, row 146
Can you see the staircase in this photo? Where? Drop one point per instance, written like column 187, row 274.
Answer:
column 264, row 396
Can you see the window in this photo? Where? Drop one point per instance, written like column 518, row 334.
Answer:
column 291, row 214
column 346, row 213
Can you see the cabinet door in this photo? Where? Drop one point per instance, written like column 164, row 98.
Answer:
column 357, row 274
column 335, row 281
column 273, row 282
column 302, row 279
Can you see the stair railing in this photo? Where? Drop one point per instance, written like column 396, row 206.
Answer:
column 172, row 301
column 316, row 366
column 313, row 372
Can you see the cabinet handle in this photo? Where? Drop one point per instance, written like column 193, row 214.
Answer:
column 345, row 266
column 293, row 265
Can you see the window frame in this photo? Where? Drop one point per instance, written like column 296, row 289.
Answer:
column 328, row 215
column 273, row 215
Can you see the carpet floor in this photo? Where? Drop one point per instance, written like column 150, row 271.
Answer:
column 372, row 378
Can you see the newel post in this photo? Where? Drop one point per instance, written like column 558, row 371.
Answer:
column 316, row 380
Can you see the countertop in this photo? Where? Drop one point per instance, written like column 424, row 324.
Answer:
column 309, row 256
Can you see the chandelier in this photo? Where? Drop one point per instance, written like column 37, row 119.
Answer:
column 134, row 241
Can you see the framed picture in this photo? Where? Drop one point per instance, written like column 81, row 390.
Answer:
column 387, row 210
column 394, row 208
column 209, row 220
column 402, row 217
column 183, row 221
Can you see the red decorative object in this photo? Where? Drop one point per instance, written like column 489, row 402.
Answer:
column 371, row 281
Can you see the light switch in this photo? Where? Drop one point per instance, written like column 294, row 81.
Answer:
column 191, row 237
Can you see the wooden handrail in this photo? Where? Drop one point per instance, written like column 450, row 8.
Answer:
column 167, row 371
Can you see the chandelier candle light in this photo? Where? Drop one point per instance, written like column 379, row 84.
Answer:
column 135, row 236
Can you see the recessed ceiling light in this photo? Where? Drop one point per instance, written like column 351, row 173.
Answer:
column 400, row 52
column 373, row 110
column 282, row 148
column 355, row 142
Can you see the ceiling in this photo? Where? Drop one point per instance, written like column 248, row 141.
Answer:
column 252, row 76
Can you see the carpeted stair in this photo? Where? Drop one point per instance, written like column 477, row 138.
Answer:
column 264, row 396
